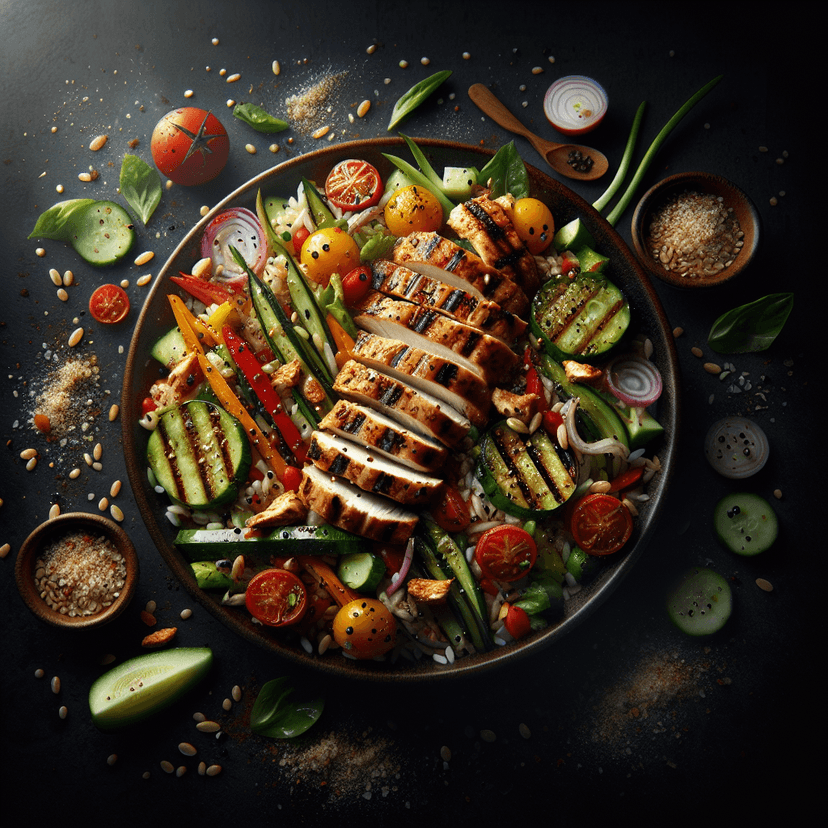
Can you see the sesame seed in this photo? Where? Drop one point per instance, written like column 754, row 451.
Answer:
column 97, row 451
column 55, row 684
column 208, row 727
column 226, row 704
column 31, row 464
column 187, row 749
column 115, row 488
column 167, row 767
column 213, row 770
column 236, row 693
column 185, row 614
column 767, row 586
column 63, row 711
column 712, row 368
column 116, row 513
column 488, row 736
column 74, row 474
column 276, row 67
column 319, row 133
column 28, row 453
column 697, row 352
column 68, row 278
column 103, row 503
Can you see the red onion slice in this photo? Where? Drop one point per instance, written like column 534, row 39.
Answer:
column 239, row 228
column 634, row 380
column 398, row 578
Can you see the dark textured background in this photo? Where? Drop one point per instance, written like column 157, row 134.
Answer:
column 727, row 725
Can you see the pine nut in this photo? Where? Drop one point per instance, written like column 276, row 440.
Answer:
column 55, row 277
column 202, row 268
column 236, row 693
column 63, row 711
column 97, row 451
column 31, row 464
column 276, row 67
column 322, row 131
column 85, row 177
column 712, row 368
column 98, row 142
column 74, row 474
column 103, row 504
column 55, row 684
column 145, row 257
column 115, row 489
column 362, row 109
column 62, row 295
column 144, row 280
column 5, row 549
column 54, row 511
column 28, row 453
column 68, row 278
column 208, row 727
column 213, row 770
column 187, row 749
column 233, row 78
column 167, row 767
column 116, row 513
column 76, row 337
column 113, row 412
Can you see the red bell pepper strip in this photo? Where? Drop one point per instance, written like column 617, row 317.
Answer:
column 259, row 381
column 203, row 291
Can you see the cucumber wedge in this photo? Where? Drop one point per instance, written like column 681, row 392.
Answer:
column 142, row 686
column 361, row 571
column 170, row 349
column 524, row 475
column 102, row 233
column 581, row 318
column 200, row 454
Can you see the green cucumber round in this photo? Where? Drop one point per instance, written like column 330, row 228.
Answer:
column 102, row 233
column 361, row 571
column 701, row 603
column 143, row 685
column 745, row 523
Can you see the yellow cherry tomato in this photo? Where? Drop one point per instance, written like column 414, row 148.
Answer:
column 328, row 251
column 364, row 628
column 413, row 209
column 534, row 224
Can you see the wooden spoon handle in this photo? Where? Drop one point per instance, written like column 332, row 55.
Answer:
column 492, row 107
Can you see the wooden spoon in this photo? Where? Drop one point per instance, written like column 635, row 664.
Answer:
column 556, row 155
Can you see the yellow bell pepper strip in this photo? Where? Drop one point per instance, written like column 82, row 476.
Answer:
column 230, row 402
column 344, row 341
column 260, row 383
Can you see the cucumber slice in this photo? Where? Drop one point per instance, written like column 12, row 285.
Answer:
column 701, row 603
column 458, row 182
column 102, row 233
column 572, row 235
column 745, row 523
column 170, row 349
column 361, row 571
column 143, row 685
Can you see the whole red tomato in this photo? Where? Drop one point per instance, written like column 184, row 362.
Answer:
column 190, row 146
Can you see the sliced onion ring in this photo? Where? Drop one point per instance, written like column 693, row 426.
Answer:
column 634, row 380
column 398, row 579
column 239, row 228
column 606, row 446
column 736, row 447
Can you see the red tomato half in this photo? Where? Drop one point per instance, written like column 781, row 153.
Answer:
column 505, row 553
column 517, row 622
column 452, row 512
column 276, row 597
column 601, row 524
column 353, row 185
column 109, row 304
column 190, row 146
column 355, row 284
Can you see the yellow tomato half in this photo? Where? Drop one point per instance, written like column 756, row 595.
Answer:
column 534, row 224
column 413, row 209
column 329, row 251
column 364, row 628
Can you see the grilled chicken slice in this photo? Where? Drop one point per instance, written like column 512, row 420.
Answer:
column 442, row 259
column 491, row 358
column 485, row 224
column 370, row 471
column 460, row 388
column 414, row 409
column 457, row 303
column 342, row 504
column 384, row 436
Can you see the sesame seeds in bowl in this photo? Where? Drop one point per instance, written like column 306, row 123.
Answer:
column 77, row 570
column 695, row 230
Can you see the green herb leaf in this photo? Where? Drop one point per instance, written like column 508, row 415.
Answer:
column 421, row 180
column 377, row 246
column 415, row 96
column 507, row 173
column 56, row 222
column 751, row 327
column 258, row 118
column 140, row 185
column 277, row 715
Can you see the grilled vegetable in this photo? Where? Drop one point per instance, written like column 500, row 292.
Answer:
column 199, row 454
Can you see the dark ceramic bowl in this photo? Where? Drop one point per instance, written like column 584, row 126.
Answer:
column 156, row 319
column 705, row 183
column 55, row 528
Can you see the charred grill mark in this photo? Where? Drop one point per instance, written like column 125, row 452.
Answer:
column 548, row 478
column 432, row 243
column 446, row 374
column 509, row 260
column 389, row 393
column 389, row 441
column 339, row 465
column 383, row 484
column 490, row 226
column 353, row 423
column 398, row 357
column 455, row 261
column 423, row 320
column 456, row 299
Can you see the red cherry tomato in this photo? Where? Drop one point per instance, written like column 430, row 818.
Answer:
column 626, row 479
column 505, row 553
column 353, row 185
column 190, row 146
column 109, row 304
column 299, row 239
column 147, row 404
column 601, row 524
column 551, row 420
column 355, row 284
column 517, row 622
column 276, row 597
column 291, row 478
column 452, row 512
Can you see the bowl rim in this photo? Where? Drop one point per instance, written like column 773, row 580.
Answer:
column 418, row 671
column 63, row 524
column 710, row 183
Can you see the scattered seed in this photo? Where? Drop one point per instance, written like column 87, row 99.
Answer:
column 233, row 78
column 274, row 148
column 87, row 459
column 403, row 64
column 276, row 67
column 208, row 727
column 39, row 673
column 712, row 368
column 215, row 41
column 371, row 49
column 236, row 693
column 115, row 489
column 116, row 512
column 103, row 503
column 537, row 70
column 63, row 295
column 144, row 280
column 517, row 425
column 112, row 759
column 28, row 453
column 145, row 257
column 54, row 275
column 322, row 131
column 63, row 711
column 600, row 486
column 74, row 474
column 31, row 464
column 677, row 332
column 40, row 252
column 5, row 549
column 113, row 413
column 189, row 93
column 56, row 684
column 84, row 176
column 107, row 659
column 202, row 768
column 250, row 148
column 97, row 466
column 167, row 767
column 230, row 103
column 466, row 55
column 362, row 109
column 199, row 717
column 98, row 142
column 445, row 753
column 425, row 61
column 488, row 735
column 213, row 770
column 97, row 451
column 54, row 511
column 185, row 614
column 697, row 352
column 777, row 493
column 767, row 586
column 148, row 618
column 524, row 731
column 226, row 704
column 187, row 749
column 76, row 337
column 68, row 278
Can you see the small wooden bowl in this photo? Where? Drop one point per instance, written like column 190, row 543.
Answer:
column 95, row 525
column 704, row 183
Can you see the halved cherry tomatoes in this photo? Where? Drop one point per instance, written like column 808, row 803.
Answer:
column 601, row 524
column 190, row 146
column 109, row 304
column 276, row 597
column 355, row 284
column 353, row 185
column 517, row 622
column 505, row 553
column 451, row 512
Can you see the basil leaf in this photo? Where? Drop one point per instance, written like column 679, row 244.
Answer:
column 140, row 185
column 258, row 118
column 377, row 246
column 507, row 173
column 55, row 223
column 415, row 96
column 751, row 327
column 276, row 715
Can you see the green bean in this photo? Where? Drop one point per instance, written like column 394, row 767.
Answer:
column 415, row 96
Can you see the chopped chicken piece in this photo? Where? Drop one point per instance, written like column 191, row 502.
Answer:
column 286, row 509
column 581, row 372
column 287, row 376
column 180, row 385
column 425, row 591
column 522, row 406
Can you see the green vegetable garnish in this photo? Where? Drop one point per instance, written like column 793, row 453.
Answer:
column 415, row 96
column 55, row 223
column 624, row 166
column 140, row 185
column 751, row 327
column 258, row 118
column 625, row 199
column 278, row 716
column 506, row 173
column 421, row 180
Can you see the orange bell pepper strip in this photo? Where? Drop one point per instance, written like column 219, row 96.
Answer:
column 230, row 402
column 344, row 341
column 327, row 578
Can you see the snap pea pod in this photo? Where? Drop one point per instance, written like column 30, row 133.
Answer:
column 411, row 99
column 422, row 181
